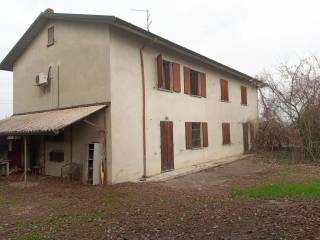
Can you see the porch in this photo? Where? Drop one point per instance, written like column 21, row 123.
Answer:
column 67, row 143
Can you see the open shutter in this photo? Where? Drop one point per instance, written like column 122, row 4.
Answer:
column 176, row 77
column 186, row 73
column 188, row 135
column 243, row 95
column 205, row 134
column 160, row 71
column 203, row 84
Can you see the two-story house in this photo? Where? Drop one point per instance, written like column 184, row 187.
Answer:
column 120, row 102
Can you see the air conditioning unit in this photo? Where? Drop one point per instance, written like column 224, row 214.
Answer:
column 41, row 79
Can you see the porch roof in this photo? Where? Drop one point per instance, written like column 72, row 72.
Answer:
column 45, row 122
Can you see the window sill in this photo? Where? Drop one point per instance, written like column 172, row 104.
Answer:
column 226, row 144
column 164, row 90
column 197, row 96
column 245, row 105
column 50, row 44
column 225, row 101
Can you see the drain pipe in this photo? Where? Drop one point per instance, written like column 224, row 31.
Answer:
column 144, row 107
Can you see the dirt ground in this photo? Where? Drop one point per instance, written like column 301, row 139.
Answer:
column 196, row 206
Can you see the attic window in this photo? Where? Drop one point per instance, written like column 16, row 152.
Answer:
column 50, row 36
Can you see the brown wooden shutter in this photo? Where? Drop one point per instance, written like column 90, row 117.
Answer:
column 160, row 70
column 188, row 135
column 203, row 84
column 224, row 90
column 205, row 134
column 186, row 73
column 176, row 77
column 243, row 95
column 226, row 133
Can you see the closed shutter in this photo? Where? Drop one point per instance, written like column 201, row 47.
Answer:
column 205, row 134
column 188, row 135
column 186, row 73
column 226, row 133
column 243, row 95
column 252, row 135
column 203, row 84
column 176, row 77
column 160, row 71
column 224, row 90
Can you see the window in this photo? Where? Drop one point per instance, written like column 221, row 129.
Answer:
column 168, row 75
column 56, row 156
column 243, row 95
column 194, row 82
column 224, row 90
column 50, row 36
column 226, row 133
column 196, row 135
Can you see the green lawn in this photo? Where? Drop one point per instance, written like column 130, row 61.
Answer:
column 281, row 190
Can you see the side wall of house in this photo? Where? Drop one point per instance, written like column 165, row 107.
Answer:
column 126, row 97
column 79, row 61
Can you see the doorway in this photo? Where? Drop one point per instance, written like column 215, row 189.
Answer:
column 167, row 153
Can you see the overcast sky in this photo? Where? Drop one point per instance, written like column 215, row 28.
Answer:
column 248, row 35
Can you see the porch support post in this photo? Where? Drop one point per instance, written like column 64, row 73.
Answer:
column 25, row 159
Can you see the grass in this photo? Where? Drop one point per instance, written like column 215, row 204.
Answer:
column 281, row 190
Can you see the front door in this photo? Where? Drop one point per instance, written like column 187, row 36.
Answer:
column 245, row 127
column 167, row 160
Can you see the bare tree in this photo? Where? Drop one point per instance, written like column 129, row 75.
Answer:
column 291, row 99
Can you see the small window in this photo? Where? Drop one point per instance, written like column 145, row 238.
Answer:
column 224, row 90
column 196, row 135
column 50, row 36
column 194, row 82
column 243, row 95
column 168, row 75
column 226, row 133
column 56, row 156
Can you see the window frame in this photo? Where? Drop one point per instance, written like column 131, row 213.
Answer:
column 51, row 38
column 200, row 139
column 169, row 74
column 194, row 76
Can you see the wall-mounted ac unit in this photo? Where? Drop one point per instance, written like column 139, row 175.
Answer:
column 41, row 79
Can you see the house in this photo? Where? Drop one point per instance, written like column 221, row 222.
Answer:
column 118, row 103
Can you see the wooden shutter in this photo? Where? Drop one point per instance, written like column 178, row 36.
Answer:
column 188, row 135
column 186, row 73
column 160, row 70
column 176, row 77
column 226, row 133
column 203, row 85
column 224, row 90
column 243, row 95
column 205, row 134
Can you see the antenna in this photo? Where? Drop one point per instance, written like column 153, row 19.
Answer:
column 148, row 16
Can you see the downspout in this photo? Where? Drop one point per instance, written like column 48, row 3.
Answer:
column 144, row 108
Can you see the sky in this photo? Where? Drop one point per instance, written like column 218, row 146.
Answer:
column 248, row 35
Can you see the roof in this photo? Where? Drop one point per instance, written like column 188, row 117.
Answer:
column 45, row 122
column 44, row 17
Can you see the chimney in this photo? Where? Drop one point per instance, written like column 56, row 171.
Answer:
column 49, row 10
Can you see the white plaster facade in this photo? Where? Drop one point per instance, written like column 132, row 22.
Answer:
column 96, row 63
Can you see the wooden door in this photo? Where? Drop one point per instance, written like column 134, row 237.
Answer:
column 167, row 154
column 245, row 127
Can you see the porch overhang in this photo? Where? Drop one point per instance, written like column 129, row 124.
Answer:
column 47, row 122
